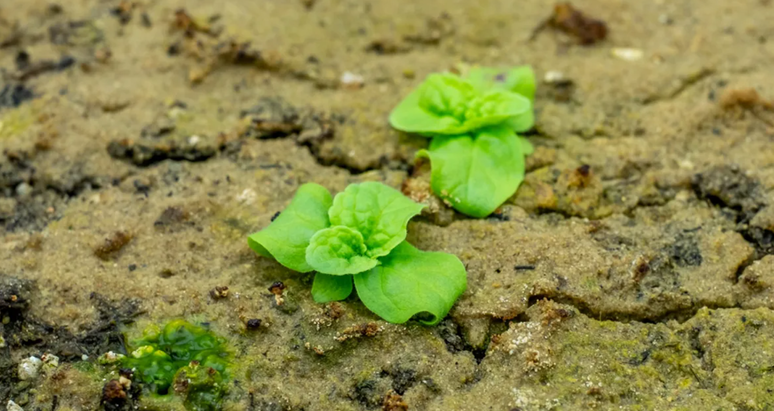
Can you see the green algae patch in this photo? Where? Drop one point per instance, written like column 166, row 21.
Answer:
column 14, row 122
column 182, row 360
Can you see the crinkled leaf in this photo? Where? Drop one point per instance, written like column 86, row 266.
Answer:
column 499, row 107
column 287, row 237
column 327, row 288
column 519, row 80
column 338, row 250
column 445, row 104
column 379, row 212
column 476, row 174
column 411, row 282
column 437, row 106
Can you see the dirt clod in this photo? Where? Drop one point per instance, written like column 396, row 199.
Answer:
column 566, row 18
column 394, row 402
column 113, row 245
column 219, row 292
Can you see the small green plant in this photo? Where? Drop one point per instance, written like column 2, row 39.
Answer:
column 476, row 155
column 358, row 238
column 184, row 359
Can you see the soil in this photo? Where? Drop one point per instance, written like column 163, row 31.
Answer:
column 142, row 141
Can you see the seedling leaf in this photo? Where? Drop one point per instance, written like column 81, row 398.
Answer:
column 338, row 250
column 476, row 174
column 287, row 237
column 411, row 282
column 379, row 212
column 326, row 288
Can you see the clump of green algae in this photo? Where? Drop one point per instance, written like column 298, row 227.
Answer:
column 182, row 359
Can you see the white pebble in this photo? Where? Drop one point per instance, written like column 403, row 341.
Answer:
column 247, row 196
column 352, row 80
column 29, row 367
column 12, row 406
column 627, row 54
column 84, row 357
column 553, row 76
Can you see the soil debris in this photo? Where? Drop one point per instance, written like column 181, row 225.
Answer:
column 394, row 402
column 569, row 20
column 143, row 155
column 13, row 95
column 358, row 331
column 219, row 292
column 747, row 98
column 113, row 245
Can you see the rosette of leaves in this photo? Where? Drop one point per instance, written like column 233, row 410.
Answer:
column 476, row 154
column 357, row 240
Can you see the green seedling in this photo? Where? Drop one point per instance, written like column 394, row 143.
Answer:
column 477, row 158
column 358, row 240
column 184, row 359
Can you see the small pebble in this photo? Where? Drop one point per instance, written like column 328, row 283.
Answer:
column 29, row 367
column 253, row 324
column 23, row 189
column 12, row 406
column 352, row 80
column 553, row 76
column 627, row 54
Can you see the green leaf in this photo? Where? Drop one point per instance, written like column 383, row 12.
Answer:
column 526, row 147
column 410, row 282
column 287, row 237
column 338, row 250
column 437, row 106
column 499, row 107
column 379, row 212
column 326, row 288
column 519, row 80
column 476, row 174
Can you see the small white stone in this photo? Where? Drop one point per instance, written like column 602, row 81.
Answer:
column 12, row 406
column 29, row 367
column 109, row 357
column 193, row 140
column 352, row 80
column 553, row 76
column 627, row 54
column 84, row 357
column 247, row 196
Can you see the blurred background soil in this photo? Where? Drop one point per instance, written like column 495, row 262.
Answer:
column 142, row 141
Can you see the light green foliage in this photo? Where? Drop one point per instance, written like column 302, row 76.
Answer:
column 475, row 174
column 184, row 359
column 476, row 156
column 410, row 282
column 287, row 237
column 378, row 212
column 520, row 80
column 338, row 250
column 445, row 104
column 367, row 227
column 331, row 287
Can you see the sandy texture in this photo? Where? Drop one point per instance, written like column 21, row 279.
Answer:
column 143, row 141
